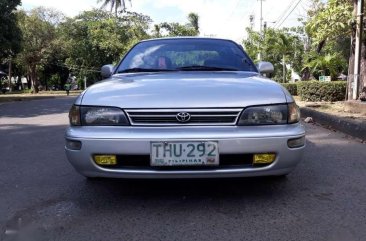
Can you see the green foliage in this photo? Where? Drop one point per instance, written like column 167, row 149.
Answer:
column 328, row 29
column 54, row 46
column 291, row 87
column 156, row 32
column 322, row 91
column 331, row 21
column 276, row 46
column 96, row 37
column 38, row 42
column 177, row 29
column 193, row 19
column 10, row 34
column 253, row 44
column 55, row 80
column 114, row 5
column 80, row 83
column 325, row 64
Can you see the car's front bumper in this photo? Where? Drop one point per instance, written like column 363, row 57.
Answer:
column 231, row 140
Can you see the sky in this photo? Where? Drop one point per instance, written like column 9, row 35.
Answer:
column 218, row 18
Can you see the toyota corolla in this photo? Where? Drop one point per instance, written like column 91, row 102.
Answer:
column 185, row 108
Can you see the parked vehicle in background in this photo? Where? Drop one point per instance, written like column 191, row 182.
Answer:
column 185, row 108
column 5, row 89
column 3, row 84
column 55, row 87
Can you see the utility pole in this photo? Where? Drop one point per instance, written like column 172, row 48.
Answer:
column 359, row 29
column 260, row 28
column 251, row 20
column 261, row 16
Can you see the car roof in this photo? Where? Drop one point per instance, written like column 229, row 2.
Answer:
column 186, row 37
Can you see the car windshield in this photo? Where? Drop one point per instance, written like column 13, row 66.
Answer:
column 186, row 55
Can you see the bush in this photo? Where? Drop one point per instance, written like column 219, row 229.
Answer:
column 322, row 91
column 291, row 87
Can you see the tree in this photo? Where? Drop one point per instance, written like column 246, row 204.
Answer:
column 330, row 64
column 280, row 47
column 9, row 31
column 95, row 38
column 177, row 29
column 335, row 21
column 38, row 40
column 114, row 4
column 156, row 33
column 193, row 19
column 330, row 22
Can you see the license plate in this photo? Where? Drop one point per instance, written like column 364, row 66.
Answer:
column 184, row 153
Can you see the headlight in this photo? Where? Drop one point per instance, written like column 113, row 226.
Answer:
column 74, row 115
column 293, row 113
column 98, row 116
column 270, row 115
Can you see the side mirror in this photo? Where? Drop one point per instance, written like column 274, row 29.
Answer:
column 265, row 67
column 107, row 71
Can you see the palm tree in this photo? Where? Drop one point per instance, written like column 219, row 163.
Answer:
column 328, row 64
column 280, row 45
column 114, row 4
column 284, row 46
column 157, row 31
column 193, row 19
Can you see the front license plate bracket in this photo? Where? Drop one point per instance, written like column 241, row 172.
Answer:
column 189, row 153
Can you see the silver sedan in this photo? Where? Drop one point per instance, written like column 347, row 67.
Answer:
column 185, row 108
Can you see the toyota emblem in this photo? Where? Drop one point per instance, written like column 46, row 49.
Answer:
column 183, row 117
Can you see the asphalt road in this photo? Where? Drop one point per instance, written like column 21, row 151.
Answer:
column 43, row 198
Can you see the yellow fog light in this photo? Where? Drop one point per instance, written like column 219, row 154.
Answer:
column 105, row 160
column 263, row 158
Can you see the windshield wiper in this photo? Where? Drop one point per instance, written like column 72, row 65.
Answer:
column 205, row 68
column 136, row 70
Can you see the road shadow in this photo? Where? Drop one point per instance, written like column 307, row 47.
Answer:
column 32, row 108
column 41, row 189
column 165, row 188
column 55, row 196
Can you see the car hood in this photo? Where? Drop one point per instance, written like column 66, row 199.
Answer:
column 185, row 90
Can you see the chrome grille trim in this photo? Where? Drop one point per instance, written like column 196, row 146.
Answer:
column 167, row 117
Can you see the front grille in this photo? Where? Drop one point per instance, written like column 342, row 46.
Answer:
column 197, row 116
column 142, row 162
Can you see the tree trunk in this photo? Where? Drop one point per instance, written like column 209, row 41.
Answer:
column 351, row 66
column 362, row 81
column 284, row 68
column 306, row 74
column 10, row 89
column 34, row 81
column 320, row 46
column 351, row 61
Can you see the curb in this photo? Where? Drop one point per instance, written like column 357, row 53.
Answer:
column 352, row 127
